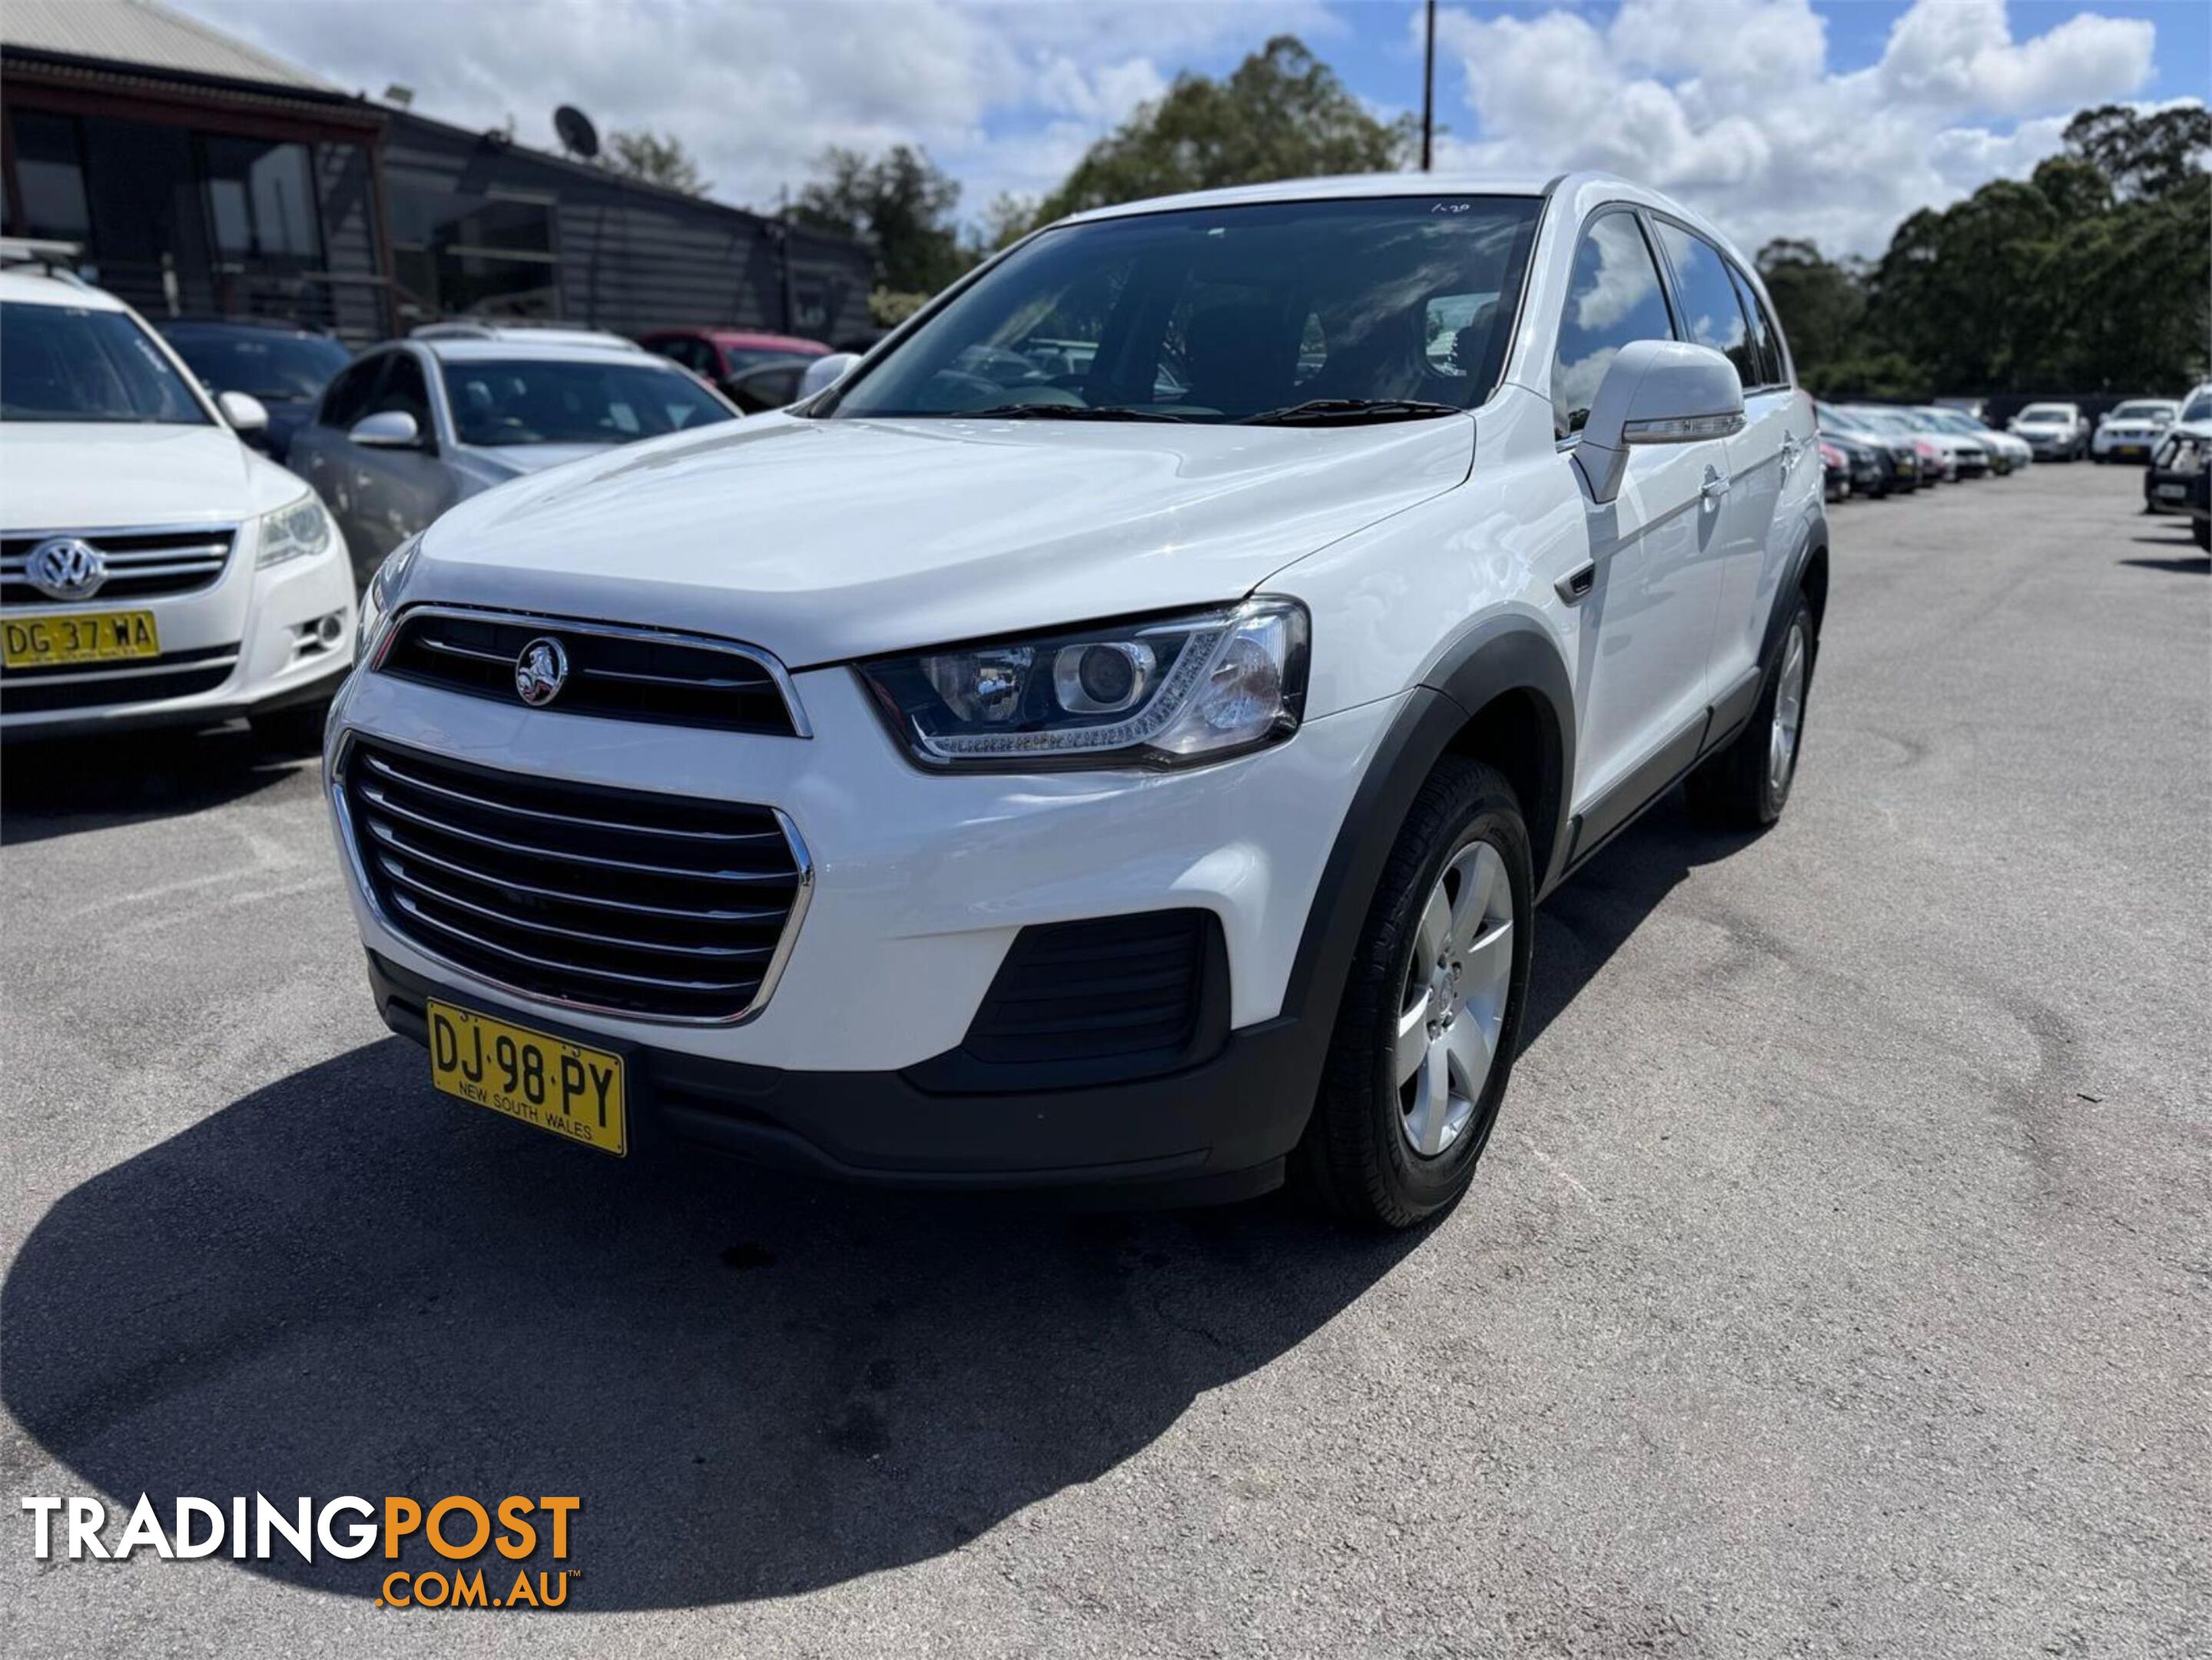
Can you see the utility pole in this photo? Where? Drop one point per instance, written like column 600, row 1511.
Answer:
column 1429, row 94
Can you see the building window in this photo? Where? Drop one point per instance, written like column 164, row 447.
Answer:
column 47, row 195
column 261, row 196
column 491, row 255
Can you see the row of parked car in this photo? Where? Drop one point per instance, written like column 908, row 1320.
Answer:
column 1881, row 450
column 1888, row 449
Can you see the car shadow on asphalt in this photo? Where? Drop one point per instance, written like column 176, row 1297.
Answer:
column 344, row 1283
column 64, row 786
column 1593, row 914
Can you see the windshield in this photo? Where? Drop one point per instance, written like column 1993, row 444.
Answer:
column 549, row 401
column 278, row 368
column 69, row 363
column 1225, row 314
column 2152, row 411
column 2046, row 413
column 2200, row 407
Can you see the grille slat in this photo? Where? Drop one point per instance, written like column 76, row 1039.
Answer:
column 484, row 869
column 142, row 565
column 614, row 673
column 383, row 802
column 407, row 880
column 452, row 794
column 709, row 987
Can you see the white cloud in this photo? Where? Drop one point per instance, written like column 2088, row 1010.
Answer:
column 1004, row 95
column 1731, row 105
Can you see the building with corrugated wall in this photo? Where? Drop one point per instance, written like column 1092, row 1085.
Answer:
column 201, row 176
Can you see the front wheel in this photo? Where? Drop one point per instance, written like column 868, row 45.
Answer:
column 1425, row 1037
column 1746, row 785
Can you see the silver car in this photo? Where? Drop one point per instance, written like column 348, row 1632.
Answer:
column 415, row 425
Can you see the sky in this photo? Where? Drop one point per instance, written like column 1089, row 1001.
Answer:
column 1827, row 119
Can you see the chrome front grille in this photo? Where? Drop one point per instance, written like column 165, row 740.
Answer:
column 621, row 901
column 617, row 672
column 141, row 564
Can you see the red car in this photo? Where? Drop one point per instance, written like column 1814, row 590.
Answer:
column 754, row 370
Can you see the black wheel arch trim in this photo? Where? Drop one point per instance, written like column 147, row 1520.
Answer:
column 1512, row 653
column 1812, row 550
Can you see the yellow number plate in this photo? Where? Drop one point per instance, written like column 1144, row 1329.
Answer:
column 561, row 1087
column 108, row 637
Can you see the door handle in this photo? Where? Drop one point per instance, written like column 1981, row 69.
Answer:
column 1715, row 487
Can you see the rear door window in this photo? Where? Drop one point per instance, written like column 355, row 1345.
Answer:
column 1766, row 343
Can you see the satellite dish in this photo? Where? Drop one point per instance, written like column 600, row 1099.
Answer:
column 577, row 135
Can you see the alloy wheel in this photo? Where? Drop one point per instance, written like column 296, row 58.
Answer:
column 1453, row 1005
column 1789, row 714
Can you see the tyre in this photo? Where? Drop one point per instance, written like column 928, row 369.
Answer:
column 1746, row 786
column 1425, row 1039
column 2204, row 529
column 296, row 730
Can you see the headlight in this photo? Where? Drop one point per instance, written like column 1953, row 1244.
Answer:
column 295, row 531
column 383, row 591
column 1163, row 693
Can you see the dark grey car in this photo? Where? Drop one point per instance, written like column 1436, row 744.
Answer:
column 415, row 425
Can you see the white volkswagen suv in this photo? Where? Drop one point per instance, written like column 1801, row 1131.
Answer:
column 989, row 774
column 153, row 569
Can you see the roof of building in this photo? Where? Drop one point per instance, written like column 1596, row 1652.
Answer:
column 144, row 34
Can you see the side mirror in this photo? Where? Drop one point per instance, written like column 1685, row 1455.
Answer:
column 1655, row 392
column 826, row 372
column 246, row 413
column 387, row 429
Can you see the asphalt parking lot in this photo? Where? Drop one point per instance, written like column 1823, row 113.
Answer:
column 1836, row 1282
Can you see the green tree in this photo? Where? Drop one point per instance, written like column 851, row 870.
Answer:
column 1282, row 113
column 2090, row 276
column 2143, row 154
column 899, row 201
column 1822, row 306
column 656, row 160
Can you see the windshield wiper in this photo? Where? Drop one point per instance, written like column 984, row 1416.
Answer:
column 1348, row 411
column 1070, row 412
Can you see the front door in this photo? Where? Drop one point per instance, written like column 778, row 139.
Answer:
column 1646, row 618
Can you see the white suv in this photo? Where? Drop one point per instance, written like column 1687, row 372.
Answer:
column 153, row 569
column 991, row 774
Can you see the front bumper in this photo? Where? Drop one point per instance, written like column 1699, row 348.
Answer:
column 257, row 624
column 921, row 884
column 2172, row 492
column 1213, row 1133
